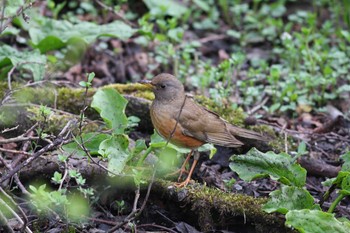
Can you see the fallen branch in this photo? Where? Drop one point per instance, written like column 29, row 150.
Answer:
column 62, row 138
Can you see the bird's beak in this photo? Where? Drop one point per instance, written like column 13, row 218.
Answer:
column 147, row 83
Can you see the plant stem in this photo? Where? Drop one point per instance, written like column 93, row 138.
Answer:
column 335, row 203
column 144, row 156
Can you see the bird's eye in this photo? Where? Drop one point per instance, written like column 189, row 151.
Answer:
column 163, row 86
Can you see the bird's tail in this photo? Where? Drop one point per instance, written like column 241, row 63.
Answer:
column 245, row 133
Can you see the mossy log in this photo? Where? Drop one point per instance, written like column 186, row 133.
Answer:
column 204, row 207
column 68, row 102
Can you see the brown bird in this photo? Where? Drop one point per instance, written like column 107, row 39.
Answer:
column 183, row 122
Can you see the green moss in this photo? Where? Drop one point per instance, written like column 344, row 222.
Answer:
column 37, row 95
column 57, row 120
column 72, row 100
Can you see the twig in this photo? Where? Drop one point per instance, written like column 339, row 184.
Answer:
column 2, row 14
column 64, row 175
column 9, row 129
column 62, row 138
column 204, row 40
column 17, row 139
column 80, row 135
column 114, row 12
column 25, row 147
column 157, row 226
column 257, row 107
column 135, row 213
column 4, row 224
column 15, row 151
column 177, row 121
column 21, row 186
column 20, row 11
column 9, row 74
column 23, row 222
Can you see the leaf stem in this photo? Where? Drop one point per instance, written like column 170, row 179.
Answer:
column 144, row 156
column 335, row 203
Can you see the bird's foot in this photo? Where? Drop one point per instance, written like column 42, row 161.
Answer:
column 180, row 171
column 183, row 183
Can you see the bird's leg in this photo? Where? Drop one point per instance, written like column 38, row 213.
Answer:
column 185, row 182
column 182, row 170
column 183, row 167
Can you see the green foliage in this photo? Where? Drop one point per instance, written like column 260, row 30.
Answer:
column 12, row 7
column 289, row 198
column 49, row 34
column 292, row 199
column 115, row 148
column 165, row 7
column 32, row 61
column 72, row 208
column 111, row 106
column 281, row 167
column 88, row 83
column 342, row 182
column 316, row 221
column 91, row 141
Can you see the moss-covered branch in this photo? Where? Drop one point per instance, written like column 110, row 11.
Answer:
column 206, row 207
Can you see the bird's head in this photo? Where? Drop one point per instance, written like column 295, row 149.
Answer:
column 165, row 87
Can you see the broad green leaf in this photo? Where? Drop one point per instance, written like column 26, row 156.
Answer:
column 340, row 177
column 289, row 198
column 158, row 142
column 116, row 150
column 316, row 221
column 345, row 185
column 91, row 141
column 256, row 164
column 202, row 4
column 165, row 7
column 346, row 158
column 111, row 107
column 49, row 34
column 12, row 7
column 27, row 60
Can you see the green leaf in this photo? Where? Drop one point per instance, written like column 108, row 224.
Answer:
column 165, row 7
column 57, row 177
column 302, row 148
column 91, row 141
column 208, row 147
column 289, row 198
column 91, row 76
column 116, row 149
column 340, row 177
column 24, row 60
column 49, row 34
column 346, row 158
column 111, row 107
column 140, row 145
column 84, row 84
column 12, row 7
column 202, row 4
column 158, row 142
column 345, row 185
column 316, row 221
column 256, row 164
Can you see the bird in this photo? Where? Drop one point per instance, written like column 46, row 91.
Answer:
column 183, row 122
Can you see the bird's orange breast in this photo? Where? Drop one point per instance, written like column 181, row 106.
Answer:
column 165, row 125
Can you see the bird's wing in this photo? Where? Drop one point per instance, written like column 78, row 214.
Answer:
column 198, row 122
